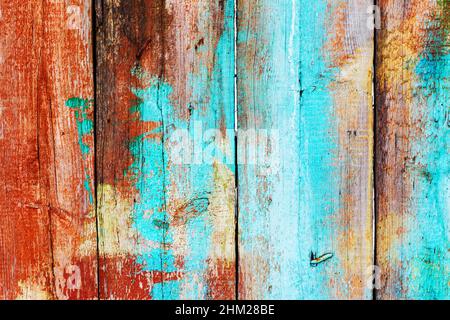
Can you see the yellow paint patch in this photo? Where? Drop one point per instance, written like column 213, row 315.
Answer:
column 88, row 237
column 116, row 233
column 393, row 223
column 221, row 213
column 30, row 290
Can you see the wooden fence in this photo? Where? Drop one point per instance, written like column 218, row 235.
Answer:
column 224, row 149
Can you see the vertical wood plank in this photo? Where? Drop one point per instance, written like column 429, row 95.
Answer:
column 165, row 149
column 413, row 158
column 47, row 214
column 304, row 148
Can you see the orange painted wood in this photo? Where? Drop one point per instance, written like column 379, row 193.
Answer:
column 47, row 216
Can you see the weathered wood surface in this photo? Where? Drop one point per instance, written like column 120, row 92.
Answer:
column 305, row 186
column 413, row 153
column 166, row 204
column 47, row 214
column 140, row 202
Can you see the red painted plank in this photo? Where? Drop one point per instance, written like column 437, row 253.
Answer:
column 47, row 216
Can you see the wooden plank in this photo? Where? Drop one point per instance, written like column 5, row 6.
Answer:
column 305, row 199
column 47, row 215
column 166, row 209
column 413, row 158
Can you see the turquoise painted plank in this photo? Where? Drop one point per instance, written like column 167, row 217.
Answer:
column 166, row 158
column 413, row 151
column 304, row 149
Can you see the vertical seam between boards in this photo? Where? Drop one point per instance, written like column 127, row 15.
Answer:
column 236, row 150
column 95, row 65
column 375, row 153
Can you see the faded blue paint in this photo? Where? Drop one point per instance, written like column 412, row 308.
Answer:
column 213, row 98
column 286, row 214
column 319, row 175
column 425, row 251
column 149, row 172
column 85, row 127
column 211, row 93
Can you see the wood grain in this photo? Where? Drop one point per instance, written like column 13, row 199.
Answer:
column 165, row 154
column 123, row 177
column 413, row 162
column 47, row 214
column 305, row 149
